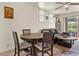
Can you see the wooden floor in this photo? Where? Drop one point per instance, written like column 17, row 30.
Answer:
column 62, row 48
column 11, row 52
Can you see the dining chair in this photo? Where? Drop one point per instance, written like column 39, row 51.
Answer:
column 26, row 31
column 47, row 44
column 45, row 30
column 19, row 46
column 42, row 31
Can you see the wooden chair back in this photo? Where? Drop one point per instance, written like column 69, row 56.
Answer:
column 16, row 41
column 47, row 37
column 47, row 41
column 45, row 30
column 26, row 31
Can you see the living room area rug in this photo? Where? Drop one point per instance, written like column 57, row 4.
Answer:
column 56, row 51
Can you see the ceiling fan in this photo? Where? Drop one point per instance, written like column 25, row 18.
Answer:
column 66, row 5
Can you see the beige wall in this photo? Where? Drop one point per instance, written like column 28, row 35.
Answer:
column 25, row 16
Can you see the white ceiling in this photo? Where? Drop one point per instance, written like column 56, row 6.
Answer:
column 50, row 6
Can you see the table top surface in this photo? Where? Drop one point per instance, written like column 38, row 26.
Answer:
column 32, row 36
column 66, row 38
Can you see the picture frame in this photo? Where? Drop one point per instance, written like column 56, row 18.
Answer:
column 8, row 12
column 58, row 25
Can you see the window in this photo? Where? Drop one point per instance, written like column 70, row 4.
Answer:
column 50, row 18
column 41, row 12
column 41, row 15
column 44, row 15
column 71, row 24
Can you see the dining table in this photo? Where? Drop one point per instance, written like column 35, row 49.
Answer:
column 32, row 37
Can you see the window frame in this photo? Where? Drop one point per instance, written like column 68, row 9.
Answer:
column 66, row 24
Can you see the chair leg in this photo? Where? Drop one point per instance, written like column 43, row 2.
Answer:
column 42, row 53
column 18, row 52
column 42, row 50
column 51, row 50
column 15, row 52
column 35, row 51
column 31, row 50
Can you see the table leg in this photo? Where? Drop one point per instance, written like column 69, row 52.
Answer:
column 33, row 53
column 32, row 49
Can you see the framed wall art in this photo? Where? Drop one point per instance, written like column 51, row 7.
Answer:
column 8, row 12
column 58, row 24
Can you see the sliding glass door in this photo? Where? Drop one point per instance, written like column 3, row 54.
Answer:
column 71, row 24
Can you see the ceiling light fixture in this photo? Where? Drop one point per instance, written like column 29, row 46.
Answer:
column 66, row 6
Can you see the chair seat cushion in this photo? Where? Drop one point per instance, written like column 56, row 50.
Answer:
column 39, row 46
column 24, row 44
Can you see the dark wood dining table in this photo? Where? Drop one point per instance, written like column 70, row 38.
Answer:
column 32, row 37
